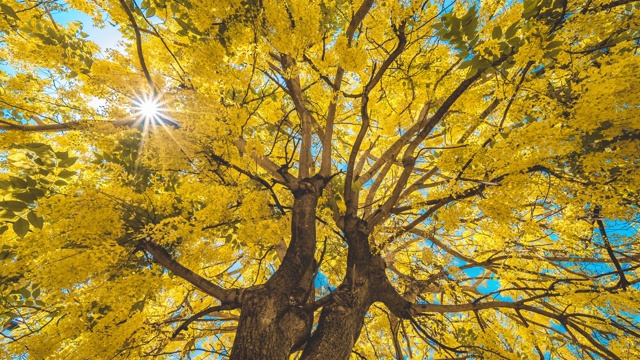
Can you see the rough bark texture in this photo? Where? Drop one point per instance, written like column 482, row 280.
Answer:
column 340, row 324
column 342, row 319
column 272, row 319
column 269, row 326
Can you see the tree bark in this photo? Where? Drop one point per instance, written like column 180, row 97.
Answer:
column 341, row 320
column 340, row 323
column 273, row 319
column 269, row 326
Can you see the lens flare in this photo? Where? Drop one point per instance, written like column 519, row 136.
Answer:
column 149, row 109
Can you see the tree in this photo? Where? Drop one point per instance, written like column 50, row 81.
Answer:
column 321, row 180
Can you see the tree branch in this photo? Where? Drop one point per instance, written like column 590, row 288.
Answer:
column 162, row 257
column 185, row 325
column 67, row 126
column 351, row 197
column 143, row 64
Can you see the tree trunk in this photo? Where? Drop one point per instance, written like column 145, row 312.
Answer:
column 272, row 319
column 342, row 319
column 269, row 326
column 340, row 323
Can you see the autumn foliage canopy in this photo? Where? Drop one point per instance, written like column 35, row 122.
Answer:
column 320, row 179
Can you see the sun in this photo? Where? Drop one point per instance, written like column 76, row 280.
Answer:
column 149, row 109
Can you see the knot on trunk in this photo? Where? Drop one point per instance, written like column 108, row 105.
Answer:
column 296, row 322
column 304, row 187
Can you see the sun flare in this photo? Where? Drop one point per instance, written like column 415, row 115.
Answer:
column 149, row 109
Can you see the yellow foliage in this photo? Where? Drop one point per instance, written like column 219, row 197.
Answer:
column 487, row 153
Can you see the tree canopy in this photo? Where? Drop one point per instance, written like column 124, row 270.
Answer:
column 320, row 179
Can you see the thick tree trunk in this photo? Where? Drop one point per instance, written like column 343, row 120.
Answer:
column 269, row 326
column 342, row 319
column 272, row 319
column 340, row 323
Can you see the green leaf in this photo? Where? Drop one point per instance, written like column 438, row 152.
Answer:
column 465, row 64
column 21, row 227
column 7, row 214
column 7, row 10
column 11, row 315
column 187, row 27
column 52, row 32
column 5, row 184
column 67, row 162
column 37, row 192
column 182, row 24
column 62, row 155
column 151, row 12
column 470, row 28
column 553, row 45
column 472, row 72
column 515, row 42
column 88, row 63
column 552, row 54
column 18, row 183
column 27, row 197
column 456, row 26
column 13, row 205
column 145, row 4
column 60, row 183
column 512, row 30
column 35, row 220
column 138, row 306
column 3, row 229
column 497, row 32
column 530, row 8
column 505, row 48
column 31, row 182
column 38, row 148
column 24, row 292
column 469, row 15
column 66, row 173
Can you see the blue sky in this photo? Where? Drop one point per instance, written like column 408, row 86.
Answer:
column 106, row 37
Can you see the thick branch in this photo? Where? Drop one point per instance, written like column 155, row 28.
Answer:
column 162, row 257
column 325, row 166
column 250, row 175
column 351, row 197
column 274, row 170
column 136, row 29
column 408, row 159
column 72, row 125
column 295, row 90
